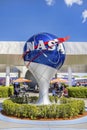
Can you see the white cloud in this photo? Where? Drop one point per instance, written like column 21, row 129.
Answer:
column 71, row 2
column 84, row 15
column 50, row 2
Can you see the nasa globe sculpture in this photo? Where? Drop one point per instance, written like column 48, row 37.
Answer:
column 44, row 54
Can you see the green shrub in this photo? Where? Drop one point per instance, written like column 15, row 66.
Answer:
column 6, row 91
column 77, row 92
column 68, row 109
column 53, row 99
column 10, row 91
column 25, row 99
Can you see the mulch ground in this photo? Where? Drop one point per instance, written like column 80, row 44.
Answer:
column 49, row 119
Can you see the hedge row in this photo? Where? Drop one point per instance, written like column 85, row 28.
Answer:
column 68, row 109
column 6, row 91
column 77, row 92
column 32, row 99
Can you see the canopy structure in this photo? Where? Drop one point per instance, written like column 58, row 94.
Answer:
column 58, row 80
column 21, row 80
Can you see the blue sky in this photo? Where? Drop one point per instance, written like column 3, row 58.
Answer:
column 20, row 19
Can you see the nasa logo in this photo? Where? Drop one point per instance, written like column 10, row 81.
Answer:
column 45, row 48
column 50, row 45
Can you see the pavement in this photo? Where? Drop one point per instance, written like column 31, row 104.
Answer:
column 7, row 123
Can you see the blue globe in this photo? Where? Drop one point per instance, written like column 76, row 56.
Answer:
column 44, row 48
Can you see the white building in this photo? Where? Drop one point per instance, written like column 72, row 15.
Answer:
column 11, row 58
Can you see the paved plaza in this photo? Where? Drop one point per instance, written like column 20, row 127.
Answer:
column 7, row 123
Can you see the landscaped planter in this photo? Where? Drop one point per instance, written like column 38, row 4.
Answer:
column 67, row 109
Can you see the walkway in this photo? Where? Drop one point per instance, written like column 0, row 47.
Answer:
column 7, row 123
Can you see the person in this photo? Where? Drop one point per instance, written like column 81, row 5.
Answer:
column 65, row 92
column 58, row 91
column 78, row 84
column 14, row 88
column 16, row 91
column 54, row 92
column 62, row 88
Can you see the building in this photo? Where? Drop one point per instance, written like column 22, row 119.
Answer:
column 11, row 58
